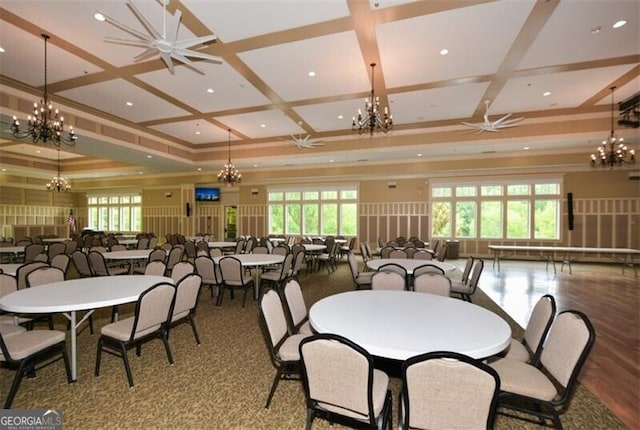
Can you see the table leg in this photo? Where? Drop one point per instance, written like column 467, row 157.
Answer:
column 74, row 349
column 256, row 289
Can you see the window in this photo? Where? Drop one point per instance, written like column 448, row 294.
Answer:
column 510, row 210
column 115, row 213
column 318, row 211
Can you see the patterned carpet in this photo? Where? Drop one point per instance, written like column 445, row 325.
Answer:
column 222, row 384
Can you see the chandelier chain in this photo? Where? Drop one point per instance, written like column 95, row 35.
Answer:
column 372, row 120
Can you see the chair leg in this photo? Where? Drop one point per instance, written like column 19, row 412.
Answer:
column 67, row 366
column 165, row 339
column 274, row 385
column 96, row 372
column 310, row 416
column 127, row 368
column 194, row 328
column 17, row 379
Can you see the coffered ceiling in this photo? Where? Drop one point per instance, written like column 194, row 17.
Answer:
column 511, row 52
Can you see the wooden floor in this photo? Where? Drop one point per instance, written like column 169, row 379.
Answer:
column 610, row 299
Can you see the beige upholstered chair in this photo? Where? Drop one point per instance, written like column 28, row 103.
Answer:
column 388, row 281
column 466, row 291
column 528, row 350
column 441, row 254
column 23, row 271
column 341, row 383
column 464, row 280
column 385, row 251
column 61, row 261
column 31, row 250
column 427, row 268
column 187, row 291
column 210, row 274
column 155, row 255
column 398, row 253
column 56, row 248
column 447, row 390
column 283, row 347
column 215, row 252
column 181, row 269
column 44, row 275
column 155, row 268
column 233, row 276
column 432, row 283
column 277, row 277
column 9, row 284
column 299, row 257
column 422, row 254
column 152, row 316
column 296, row 306
column 545, row 389
column 360, row 279
column 81, row 263
column 175, row 255
column 22, row 350
column 100, row 268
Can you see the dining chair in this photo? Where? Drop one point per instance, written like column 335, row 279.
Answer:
column 61, row 261
column 215, row 252
column 298, row 316
column 466, row 291
column 233, row 276
column 56, row 248
column 464, row 280
column 70, row 246
column 277, row 277
column 422, row 254
column 99, row 266
column 529, row 348
column 155, row 255
column 152, row 316
column 385, row 251
column 81, row 263
column 360, row 279
column 447, row 390
column 187, row 292
column 155, row 268
column 23, row 350
column 9, row 284
column 432, row 283
column 388, row 281
column 398, row 253
column 181, row 269
column 283, row 347
column 190, row 250
column 427, row 268
column 42, row 276
column 31, row 251
column 545, row 389
column 25, row 269
column 342, row 385
column 210, row 274
column 175, row 255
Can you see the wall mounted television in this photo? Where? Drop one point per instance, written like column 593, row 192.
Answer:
column 207, row 194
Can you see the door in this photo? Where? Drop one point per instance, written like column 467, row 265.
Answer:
column 230, row 219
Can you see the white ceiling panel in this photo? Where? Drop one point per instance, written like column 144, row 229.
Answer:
column 568, row 39
column 112, row 96
column 195, row 131
column 326, row 116
column 263, row 16
column 335, row 59
column 230, row 89
column 251, row 124
column 477, row 43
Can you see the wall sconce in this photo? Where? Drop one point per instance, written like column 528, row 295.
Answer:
column 254, row 191
column 391, row 184
column 168, row 194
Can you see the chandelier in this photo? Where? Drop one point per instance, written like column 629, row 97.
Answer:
column 372, row 120
column 58, row 183
column 229, row 174
column 613, row 152
column 46, row 125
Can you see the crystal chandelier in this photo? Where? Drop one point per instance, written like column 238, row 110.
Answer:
column 372, row 120
column 613, row 152
column 46, row 125
column 229, row 174
column 58, row 183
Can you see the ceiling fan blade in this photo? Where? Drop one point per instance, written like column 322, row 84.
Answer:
column 504, row 118
column 512, row 121
column 173, row 25
column 146, row 24
column 147, row 53
column 184, row 60
column 126, row 29
column 194, row 41
column 167, row 60
column 196, row 54
column 128, row 42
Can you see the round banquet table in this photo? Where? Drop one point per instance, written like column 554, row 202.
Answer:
column 68, row 297
column 398, row 325
column 257, row 261
column 131, row 255
column 410, row 264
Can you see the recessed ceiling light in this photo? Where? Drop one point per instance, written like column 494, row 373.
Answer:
column 546, row 93
column 526, row 148
column 129, row 104
column 198, row 133
column 139, row 173
column 38, row 152
column 1, row 49
column 255, row 165
column 149, row 156
column 596, row 30
column 98, row 16
column 210, row 90
column 445, row 51
column 199, row 169
column 330, row 161
column 311, row 74
column 4, row 170
column 419, row 155
column 340, row 116
column 263, row 125
column 619, row 24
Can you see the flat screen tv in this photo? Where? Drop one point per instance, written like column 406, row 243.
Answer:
column 206, row 194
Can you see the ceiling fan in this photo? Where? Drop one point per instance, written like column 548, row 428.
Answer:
column 165, row 44
column 492, row 126
column 304, row 142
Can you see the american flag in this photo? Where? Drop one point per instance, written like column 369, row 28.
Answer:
column 72, row 221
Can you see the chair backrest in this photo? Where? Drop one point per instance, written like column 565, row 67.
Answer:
column 56, row 248
column 422, row 254
column 158, row 255
column 143, row 243
column 215, row 252
column 41, row 257
column 31, row 250
column 153, row 309
column 467, row 270
column 388, row 281
column 386, row 251
column 8, row 284
column 286, row 266
column 393, row 267
column 61, row 261
column 566, row 348
column 202, row 246
column 363, row 252
column 298, row 261
column 153, row 242
column 295, row 303
column 410, row 250
column 251, row 243
column 441, row 254
column 539, row 323
column 338, row 375
column 476, row 271
column 97, row 263
column 432, row 283
column 281, row 249
column 434, row 383
column 231, row 269
column 353, row 265
column 25, row 269
column 427, row 268
column 186, row 295
column 155, row 268
column 190, row 249
column 239, row 246
column 70, row 247
column 175, row 255
column 274, row 320
column 44, row 275
column 368, row 248
column 181, row 269
column 118, row 247
column 166, row 246
column 398, row 253
column 260, row 250
column 81, row 263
